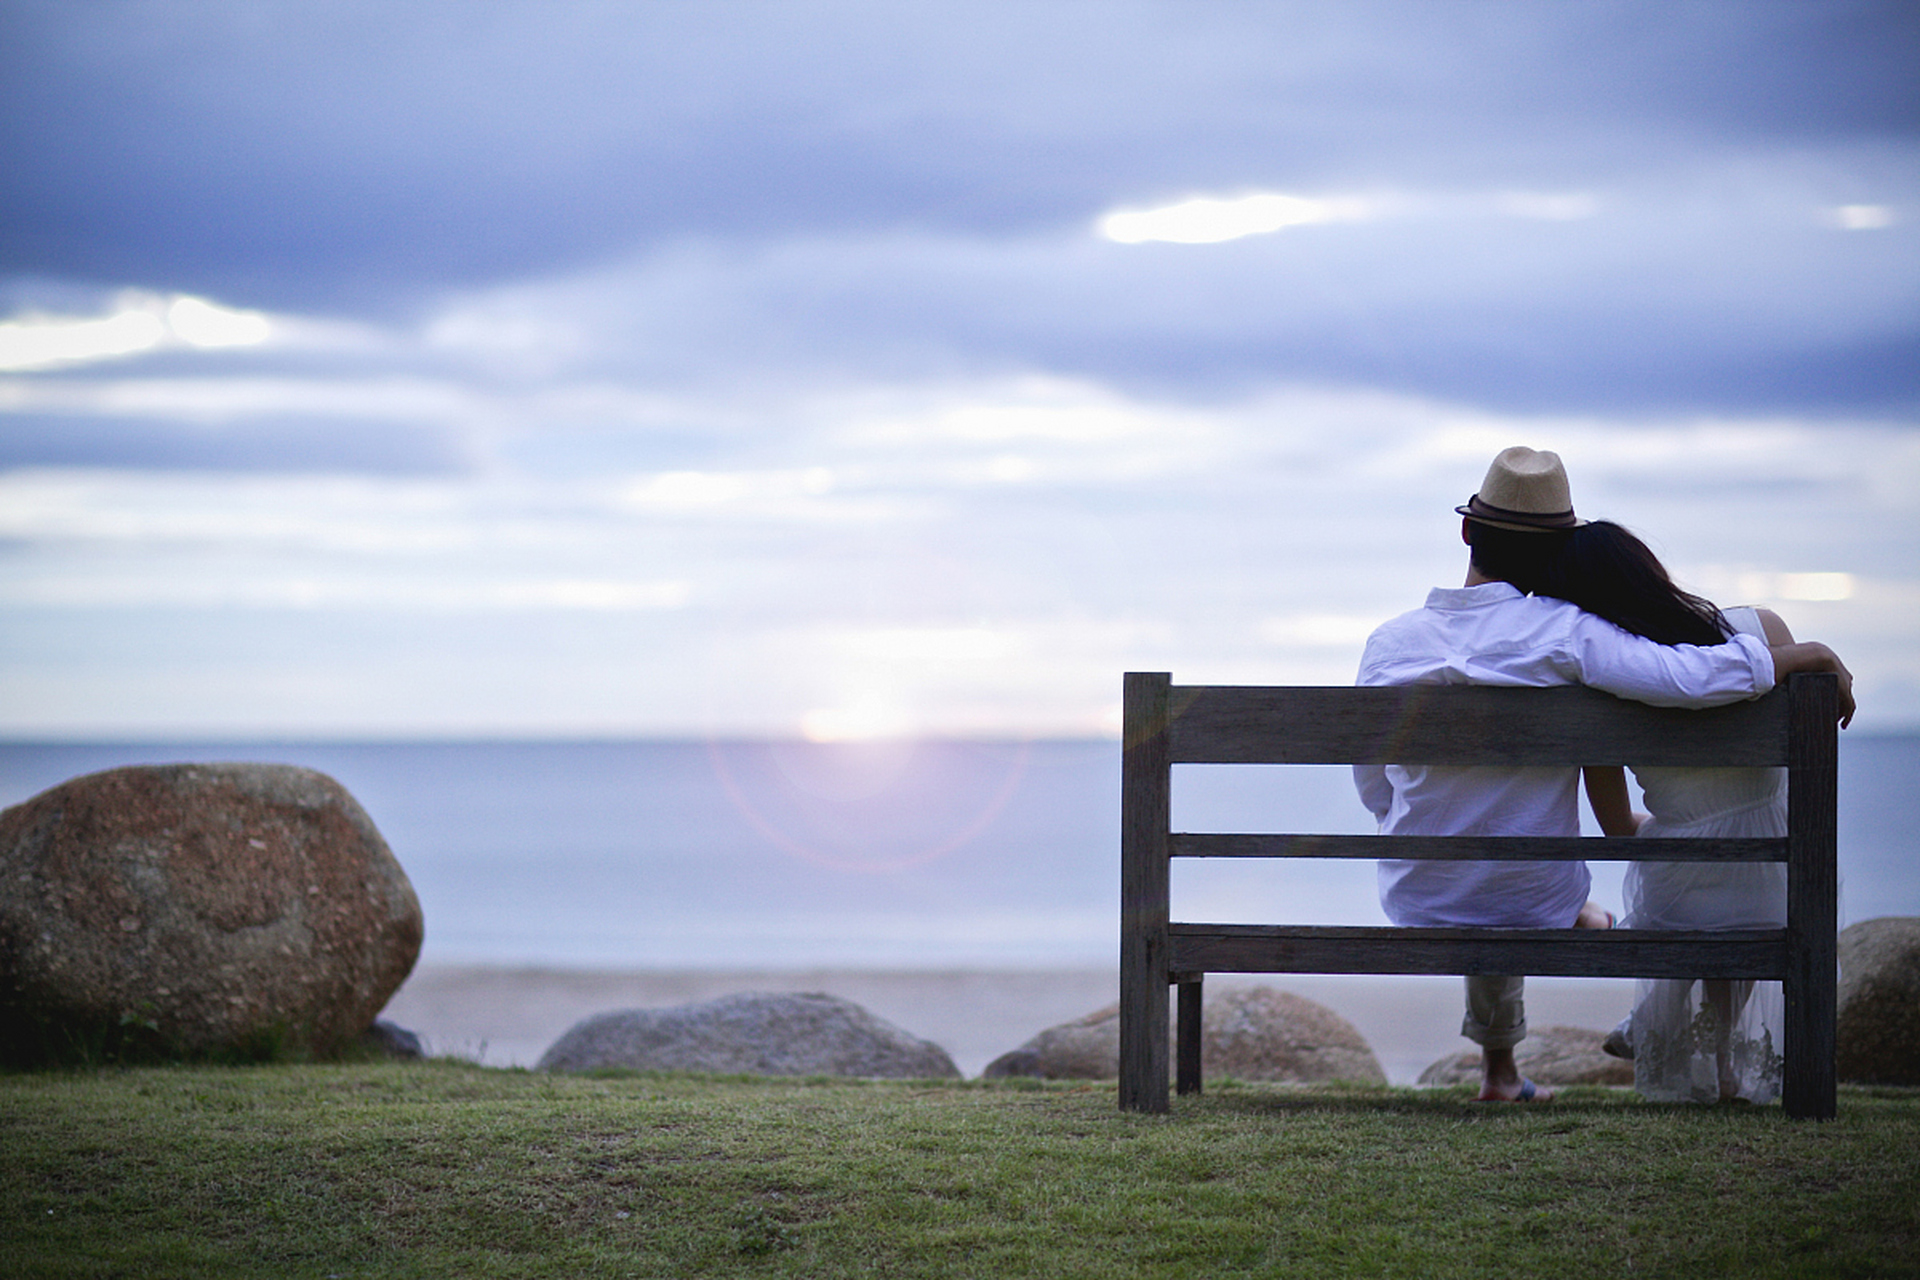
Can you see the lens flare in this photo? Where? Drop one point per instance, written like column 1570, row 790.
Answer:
column 873, row 808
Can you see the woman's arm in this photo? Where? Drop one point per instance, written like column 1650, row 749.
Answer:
column 1807, row 657
column 1607, row 794
column 1790, row 656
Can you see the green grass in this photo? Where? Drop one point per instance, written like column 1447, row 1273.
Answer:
column 447, row 1169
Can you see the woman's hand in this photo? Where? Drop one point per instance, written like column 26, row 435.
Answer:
column 1780, row 638
column 1811, row 655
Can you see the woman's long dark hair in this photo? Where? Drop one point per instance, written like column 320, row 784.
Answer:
column 1608, row 572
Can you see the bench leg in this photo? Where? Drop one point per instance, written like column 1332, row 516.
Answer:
column 1187, row 1056
column 1813, row 890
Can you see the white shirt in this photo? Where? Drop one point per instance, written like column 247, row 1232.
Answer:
column 1492, row 634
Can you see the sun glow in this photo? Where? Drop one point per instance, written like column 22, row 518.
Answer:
column 141, row 324
column 1758, row 586
column 1860, row 217
column 40, row 344
column 200, row 323
column 1798, row 586
column 865, row 719
column 1207, row 220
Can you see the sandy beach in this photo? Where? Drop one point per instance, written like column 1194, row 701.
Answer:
column 503, row 1016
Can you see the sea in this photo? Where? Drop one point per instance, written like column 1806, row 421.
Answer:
column 900, row 855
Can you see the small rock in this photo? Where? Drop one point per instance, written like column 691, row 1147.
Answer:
column 751, row 1033
column 393, row 1041
column 1247, row 1032
column 1549, row 1055
column 1877, row 1037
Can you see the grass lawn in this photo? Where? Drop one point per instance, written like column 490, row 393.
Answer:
column 448, row 1169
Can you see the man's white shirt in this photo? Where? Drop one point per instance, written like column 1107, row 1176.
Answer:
column 1492, row 634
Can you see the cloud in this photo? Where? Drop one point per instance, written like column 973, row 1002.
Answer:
column 289, row 154
column 1723, row 288
column 273, row 444
column 825, row 578
column 332, row 594
column 1559, row 208
column 680, row 367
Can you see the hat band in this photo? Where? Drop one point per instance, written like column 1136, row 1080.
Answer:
column 1478, row 510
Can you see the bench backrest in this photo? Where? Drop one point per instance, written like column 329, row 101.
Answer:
column 1167, row 724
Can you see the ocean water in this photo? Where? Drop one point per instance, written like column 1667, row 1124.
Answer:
column 752, row 854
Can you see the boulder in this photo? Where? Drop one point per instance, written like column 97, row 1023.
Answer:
column 1247, row 1032
column 1260, row 1033
column 751, row 1033
column 1877, row 1039
column 227, row 910
column 1088, row 1048
column 1549, row 1055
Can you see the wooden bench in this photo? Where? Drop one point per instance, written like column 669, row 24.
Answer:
column 1167, row 724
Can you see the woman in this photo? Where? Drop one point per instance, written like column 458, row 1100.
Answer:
column 1713, row 1039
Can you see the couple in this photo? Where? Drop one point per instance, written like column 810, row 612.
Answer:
column 1550, row 599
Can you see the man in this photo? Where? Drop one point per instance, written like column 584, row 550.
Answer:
column 1494, row 631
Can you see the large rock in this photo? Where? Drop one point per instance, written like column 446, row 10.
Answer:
column 1249, row 1033
column 1549, row 1055
column 1878, row 1036
column 204, row 909
column 751, row 1033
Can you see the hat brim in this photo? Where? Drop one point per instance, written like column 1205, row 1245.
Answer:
column 1519, row 521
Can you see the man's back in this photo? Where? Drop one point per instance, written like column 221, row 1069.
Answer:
column 1486, row 634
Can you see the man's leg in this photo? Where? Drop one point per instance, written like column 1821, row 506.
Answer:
column 1497, row 1021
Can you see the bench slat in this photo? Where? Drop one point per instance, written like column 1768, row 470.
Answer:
column 1569, row 953
column 1209, row 844
column 1464, row 725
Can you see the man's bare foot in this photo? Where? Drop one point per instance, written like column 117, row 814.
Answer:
column 1593, row 916
column 1501, row 1081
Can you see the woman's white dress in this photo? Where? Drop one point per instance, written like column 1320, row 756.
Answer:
column 1675, row 1030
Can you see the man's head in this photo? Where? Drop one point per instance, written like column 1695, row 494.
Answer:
column 1518, row 521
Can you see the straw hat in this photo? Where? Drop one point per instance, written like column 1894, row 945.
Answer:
column 1526, row 490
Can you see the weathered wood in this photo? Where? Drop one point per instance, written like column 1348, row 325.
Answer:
column 1464, row 725
column 1185, row 844
column 1568, row 953
column 1460, row 725
column 1190, row 1004
column 1146, row 809
column 1812, row 893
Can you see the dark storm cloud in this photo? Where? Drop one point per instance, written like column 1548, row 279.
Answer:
column 1656, row 303
column 874, row 190
column 293, row 153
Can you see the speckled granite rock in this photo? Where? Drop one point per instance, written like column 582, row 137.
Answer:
column 1087, row 1048
column 751, row 1033
column 1249, row 1033
column 224, row 909
column 1878, row 1031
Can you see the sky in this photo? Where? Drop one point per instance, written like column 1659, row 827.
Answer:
column 842, row 369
